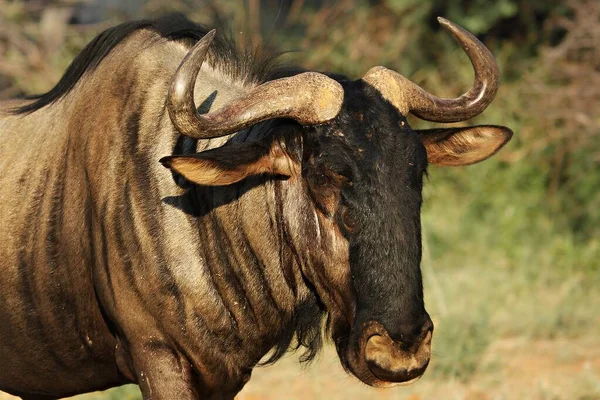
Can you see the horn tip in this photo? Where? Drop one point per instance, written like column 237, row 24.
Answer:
column 208, row 38
column 447, row 24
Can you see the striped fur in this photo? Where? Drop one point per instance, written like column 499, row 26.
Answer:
column 114, row 269
column 105, row 280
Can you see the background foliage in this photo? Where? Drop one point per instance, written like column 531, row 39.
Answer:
column 513, row 244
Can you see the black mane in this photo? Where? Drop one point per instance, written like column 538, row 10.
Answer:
column 246, row 63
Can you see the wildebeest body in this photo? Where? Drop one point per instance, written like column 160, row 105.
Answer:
column 115, row 269
column 95, row 252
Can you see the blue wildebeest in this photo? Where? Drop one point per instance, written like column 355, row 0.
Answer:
column 287, row 196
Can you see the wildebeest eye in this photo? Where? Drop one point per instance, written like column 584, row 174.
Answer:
column 349, row 220
column 321, row 180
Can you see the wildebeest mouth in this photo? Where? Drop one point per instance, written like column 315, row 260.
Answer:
column 378, row 360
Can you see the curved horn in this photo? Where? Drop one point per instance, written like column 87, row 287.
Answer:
column 407, row 96
column 309, row 98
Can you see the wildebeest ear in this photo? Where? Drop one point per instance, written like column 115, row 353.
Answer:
column 463, row 146
column 232, row 163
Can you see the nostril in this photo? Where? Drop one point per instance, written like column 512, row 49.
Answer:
column 409, row 333
column 427, row 327
column 421, row 335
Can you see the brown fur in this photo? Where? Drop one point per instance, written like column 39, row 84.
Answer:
column 114, row 269
column 125, row 286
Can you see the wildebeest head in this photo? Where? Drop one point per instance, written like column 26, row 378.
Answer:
column 362, row 168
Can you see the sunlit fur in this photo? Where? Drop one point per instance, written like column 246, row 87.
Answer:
column 115, row 269
column 108, row 273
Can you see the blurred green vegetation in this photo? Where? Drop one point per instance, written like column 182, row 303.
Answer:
column 512, row 245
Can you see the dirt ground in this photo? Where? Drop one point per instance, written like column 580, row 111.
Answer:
column 558, row 369
column 517, row 369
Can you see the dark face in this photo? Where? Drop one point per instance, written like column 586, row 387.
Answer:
column 351, row 209
column 351, row 206
column 365, row 170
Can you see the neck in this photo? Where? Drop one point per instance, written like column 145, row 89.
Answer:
column 247, row 287
column 214, row 268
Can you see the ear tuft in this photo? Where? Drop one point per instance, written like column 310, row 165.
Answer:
column 463, row 146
